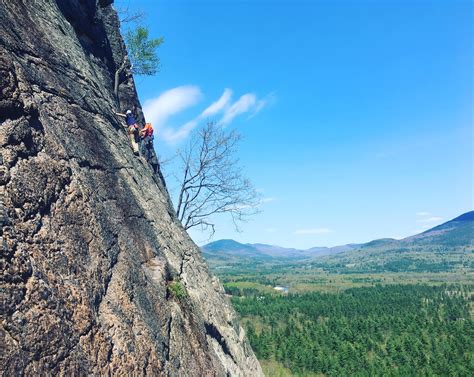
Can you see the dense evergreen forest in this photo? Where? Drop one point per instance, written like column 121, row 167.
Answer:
column 393, row 330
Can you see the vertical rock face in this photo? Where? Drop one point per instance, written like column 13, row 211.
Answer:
column 90, row 246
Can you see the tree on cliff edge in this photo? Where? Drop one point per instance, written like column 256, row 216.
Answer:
column 211, row 181
column 142, row 55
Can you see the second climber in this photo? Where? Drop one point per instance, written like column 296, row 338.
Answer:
column 132, row 129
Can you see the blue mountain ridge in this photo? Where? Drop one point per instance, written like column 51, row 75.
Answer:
column 458, row 231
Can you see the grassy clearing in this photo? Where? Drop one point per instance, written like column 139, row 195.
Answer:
column 272, row 368
column 247, row 285
column 303, row 281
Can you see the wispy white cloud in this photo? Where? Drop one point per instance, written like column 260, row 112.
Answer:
column 217, row 106
column 238, row 207
column 159, row 110
column 261, row 103
column 246, row 103
column 423, row 213
column 175, row 135
column 271, row 230
column 248, row 206
column 312, row 231
column 425, row 220
column 432, row 219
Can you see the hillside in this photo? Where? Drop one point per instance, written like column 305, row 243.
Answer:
column 225, row 249
column 230, row 250
column 444, row 247
column 457, row 232
column 98, row 277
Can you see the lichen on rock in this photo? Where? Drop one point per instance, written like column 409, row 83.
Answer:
column 90, row 242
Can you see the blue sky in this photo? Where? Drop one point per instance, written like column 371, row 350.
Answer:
column 356, row 116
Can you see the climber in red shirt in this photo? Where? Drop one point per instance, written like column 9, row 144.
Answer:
column 147, row 149
column 147, row 131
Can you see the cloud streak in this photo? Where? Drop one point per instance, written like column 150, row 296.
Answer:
column 242, row 105
column 159, row 110
column 173, row 136
column 312, row 231
column 433, row 219
column 423, row 213
column 217, row 106
column 271, row 230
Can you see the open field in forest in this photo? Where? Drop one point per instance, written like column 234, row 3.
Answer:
column 300, row 281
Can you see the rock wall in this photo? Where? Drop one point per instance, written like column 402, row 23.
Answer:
column 90, row 244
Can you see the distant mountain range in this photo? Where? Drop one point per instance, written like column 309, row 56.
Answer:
column 230, row 248
column 455, row 236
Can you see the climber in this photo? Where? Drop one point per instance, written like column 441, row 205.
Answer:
column 147, row 149
column 133, row 129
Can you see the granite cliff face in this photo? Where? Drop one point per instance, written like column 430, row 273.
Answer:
column 90, row 245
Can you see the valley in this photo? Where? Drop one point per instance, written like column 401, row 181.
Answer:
column 385, row 307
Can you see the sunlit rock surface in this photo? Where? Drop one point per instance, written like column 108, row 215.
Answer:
column 90, row 244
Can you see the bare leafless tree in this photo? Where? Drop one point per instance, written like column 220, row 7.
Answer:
column 211, row 182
